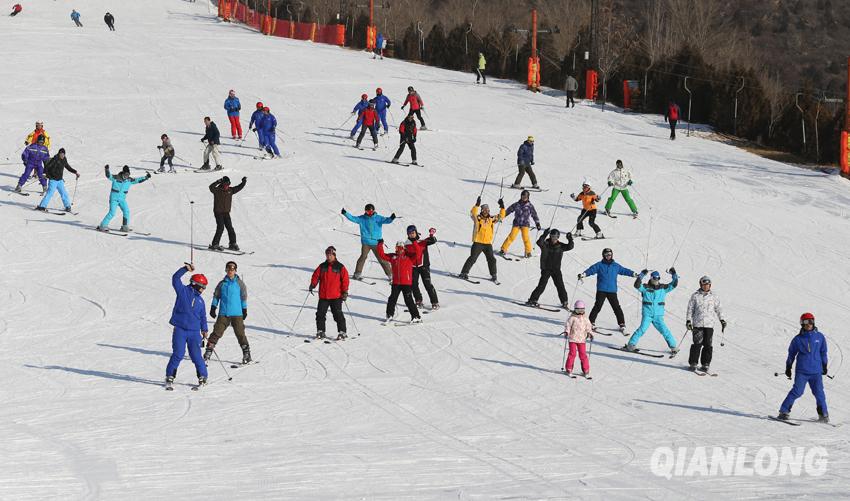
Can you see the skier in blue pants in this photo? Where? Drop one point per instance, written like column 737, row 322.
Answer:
column 358, row 109
column 254, row 124
column 118, row 197
column 653, row 294
column 189, row 318
column 809, row 349
column 382, row 104
column 267, row 128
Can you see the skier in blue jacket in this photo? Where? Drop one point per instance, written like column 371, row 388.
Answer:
column 189, row 318
column 606, row 286
column 370, row 233
column 118, row 197
column 382, row 104
column 232, row 295
column 254, row 124
column 358, row 109
column 233, row 107
column 808, row 348
column 268, row 127
column 653, row 294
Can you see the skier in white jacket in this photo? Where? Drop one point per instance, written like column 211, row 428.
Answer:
column 702, row 309
column 619, row 180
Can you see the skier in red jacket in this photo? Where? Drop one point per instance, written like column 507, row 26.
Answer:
column 416, row 105
column 402, row 262
column 672, row 116
column 369, row 119
column 332, row 279
column 16, row 9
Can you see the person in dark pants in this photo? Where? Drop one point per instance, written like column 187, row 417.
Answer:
column 671, row 116
column 109, row 19
column 332, row 279
column 571, row 86
column 401, row 262
column 588, row 200
column 422, row 265
column 482, row 237
column 702, row 309
column 606, row 286
column 407, row 133
column 550, row 265
column 524, row 161
column 222, row 201
column 416, row 105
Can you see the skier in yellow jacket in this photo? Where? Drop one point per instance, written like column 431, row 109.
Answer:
column 482, row 237
column 482, row 65
column 32, row 138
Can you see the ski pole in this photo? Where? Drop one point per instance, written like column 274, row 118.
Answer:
column 555, row 210
column 192, row 233
column 229, row 377
column 722, row 336
column 392, row 117
column 681, row 340
column 648, row 238
column 486, row 177
column 351, row 316
column 445, row 266
column 346, row 121
column 564, row 358
column 499, row 224
column 681, row 244
column 299, row 312
column 776, row 374
column 74, row 196
column 183, row 160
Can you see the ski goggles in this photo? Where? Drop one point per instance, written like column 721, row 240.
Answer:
column 705, row 281
column 579, row 311
column 807, row 321
column 230, row 267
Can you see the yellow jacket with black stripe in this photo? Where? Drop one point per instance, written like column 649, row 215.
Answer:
column 483, row 231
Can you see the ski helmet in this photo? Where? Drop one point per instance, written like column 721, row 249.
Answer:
column 807, row 318
column 530, row 139
column 485, row 207
column 524, row 193
column 40, row 138
column 608, row 251
column 371, row 104
column 399, row 244
column 655, row 275
column 199, row 280
column 228, row 264
column 369, row 207
column 266, row 108
column 125, row 170
column 379, row 91
column 705, row 280
column 164, row 136
column 554, row 234
column 619, row 164
column 579, row 305
column 410, row 89
column 259, row 105
column 62, row 150
column 331, row 249
column 364, row 96
column 412, row 229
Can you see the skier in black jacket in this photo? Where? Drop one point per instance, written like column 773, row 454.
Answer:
column 109, row 19
column 550, row 265
column 212, row 138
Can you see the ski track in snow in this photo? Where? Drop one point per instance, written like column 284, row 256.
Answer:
column 471, row 404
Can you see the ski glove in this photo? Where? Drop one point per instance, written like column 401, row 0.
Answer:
column 722, row 325
column 478, row 201
column 343, row 211
column 244, row 179
column 610, row 183
column 788, row 371
column 148, row 175
column 569, row 237
column 432, row 232
column 689, row 325
column 672, row 271
column 345, row 296
column 824, row 369
column 212, row 311
column 244, row 313
column 392, row 216
column 581, row 276
column 538, row 226
column 501, row 204
column 643, row 272
column 629, row 183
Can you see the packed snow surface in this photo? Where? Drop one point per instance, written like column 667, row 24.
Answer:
column 469, row 405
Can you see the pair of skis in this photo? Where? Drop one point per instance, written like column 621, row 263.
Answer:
column 476, row 282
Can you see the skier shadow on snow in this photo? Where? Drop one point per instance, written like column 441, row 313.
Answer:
column 367, row 158
column 330, row 143
column 353, row 313
column 131, row 236
column 338, row 136
column 490, row 183
column 515, row 364
column 759, row 170
column 18, row 204
column 192, row 133
column 101, row 374
column 523, row 316
column 625, row 357
column 703, row 409
column 276, row 331
column 143, row 351
column 286, row 266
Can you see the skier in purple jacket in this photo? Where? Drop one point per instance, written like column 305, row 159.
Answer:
column 34, row 157
column 524, row 212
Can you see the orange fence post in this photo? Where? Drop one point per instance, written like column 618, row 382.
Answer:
column 591, row 82
column 845, row 153
column 340, row 35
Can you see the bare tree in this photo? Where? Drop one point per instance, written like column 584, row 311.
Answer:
column 615, row 43
column 657, row 40
column 778, row 99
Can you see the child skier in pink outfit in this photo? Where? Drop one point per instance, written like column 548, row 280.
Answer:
column 578, row 329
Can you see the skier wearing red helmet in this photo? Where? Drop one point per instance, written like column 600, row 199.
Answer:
column 359, row 108
column 255, row 121
column 382, row 104
column 808, row 349
column 189, row 318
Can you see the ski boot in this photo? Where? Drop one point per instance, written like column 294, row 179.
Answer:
column 420, row 304
column 536, row 187
column 102, row 228
column 215, row 247
column 417, row 320
column 599, row 235
column 18, row 189
column 320, row 335
column 125, row 228
column 246, row 355
column 463, row 276
column 501, row 253
column 533, row 304
column 169, row 382
column 577, row 233
column 634, row 215
column 607, row 212
column 515, row 186
column 493, row 278
column 357, row 276
column 823, row 419
column 692, row 367
column 351, row 137
column 783, row 416
column 527, row 255
column 703, row 368
column 68, row 209
column 435, row 306
column 341, row 336
column 161, row 169
column 205, row 167
column 674, row 351
column 394, row 160
column 202, row 381
column 233, row 247
column 172, row 171
column 42, row 209
column 375, row 147
column 413, row 162
column 218, row 167
column 566, row 306
column 630, row 347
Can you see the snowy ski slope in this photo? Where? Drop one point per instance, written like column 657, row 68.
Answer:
column 469, row 405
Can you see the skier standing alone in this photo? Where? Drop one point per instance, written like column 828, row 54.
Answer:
column 808, row 349
column 232, row 295
column 552, row 251
column 482, row 237
column 109, row 19
column 653, row 295
column 571, row 86
column 222, row 203
column 167, row 151
column 588, row 200
column 401, row 262
column 524, row 161
column 619, row 180
column 672, row 116
column 703, row 306
column 370, row 223
column 189, row 318
column 75, row 16
column 607, row 272
column 55, row 170
column 407, row 137
column 118, row 197
column 480, row 69
column 332, row 279
column 233, row 107
column 422, row 265
column 578, row 330
column 212, row 137
column 524, row 212
column 416, row 105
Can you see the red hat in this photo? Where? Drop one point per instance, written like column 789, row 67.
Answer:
column 807, row 316
column 379, row 90
column 259, row 105
column 199, row 279
column 266, row 108
column 364, row 96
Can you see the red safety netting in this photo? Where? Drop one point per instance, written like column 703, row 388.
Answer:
column 322, row 33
